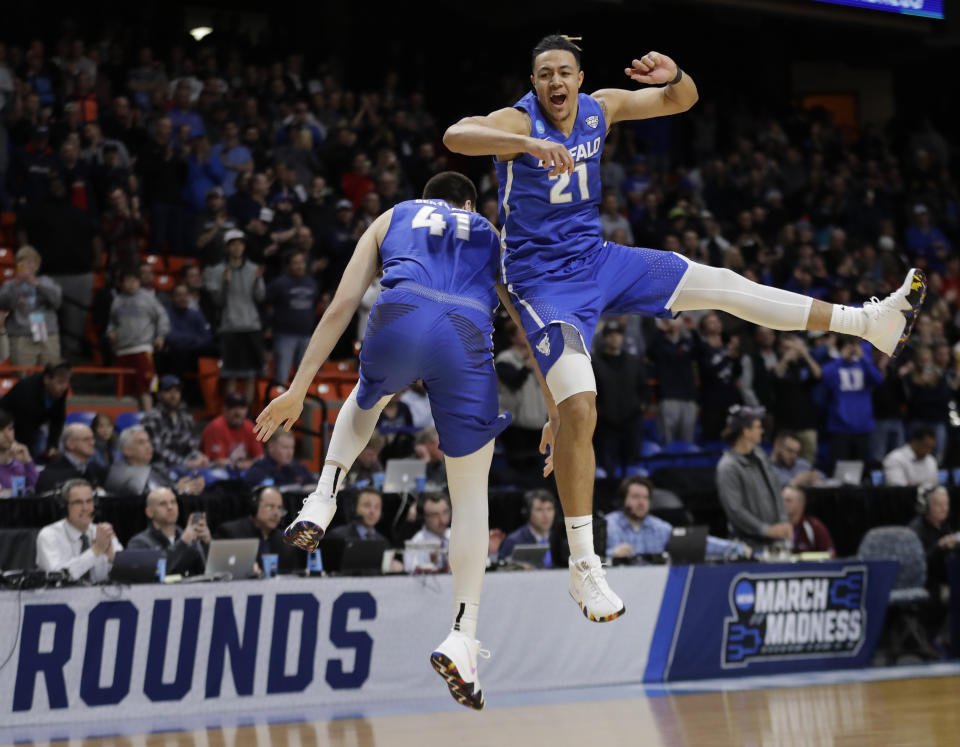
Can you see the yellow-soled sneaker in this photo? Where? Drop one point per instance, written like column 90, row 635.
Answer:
column 311, row 523
column 456, row 661
column 590, row 590
column 890, row 321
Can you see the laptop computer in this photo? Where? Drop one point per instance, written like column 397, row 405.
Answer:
column 353, row 556
column 848, row 472
column 127, row 479
column 135, row 566
column 233, row 556
column 687, row 545
column 531, row 555
column 401, row 475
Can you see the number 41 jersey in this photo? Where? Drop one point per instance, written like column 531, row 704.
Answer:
column 549, row 221
column 436, row 247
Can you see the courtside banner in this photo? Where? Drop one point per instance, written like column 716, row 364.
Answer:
column 102, row 653
column 768, row 619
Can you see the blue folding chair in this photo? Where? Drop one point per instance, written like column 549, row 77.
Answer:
column 126, row 419
column 681, row 447
column 649, row 449
column 85, row 417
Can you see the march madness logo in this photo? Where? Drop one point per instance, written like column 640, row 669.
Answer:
column 784, row 616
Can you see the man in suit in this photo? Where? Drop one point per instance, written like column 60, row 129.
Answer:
column 541, row 510
column 74, row 461
column 267, row 513
column 38, row 405
column 367, row 511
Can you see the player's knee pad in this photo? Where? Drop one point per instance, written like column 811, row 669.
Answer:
column 571, row 374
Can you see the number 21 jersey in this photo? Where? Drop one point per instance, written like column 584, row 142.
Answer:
column 551, row 221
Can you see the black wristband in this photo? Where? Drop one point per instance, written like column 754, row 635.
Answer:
column 677, row 79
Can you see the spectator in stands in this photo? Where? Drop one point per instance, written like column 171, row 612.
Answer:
column 540, row 508
column 935, row 534
column 204, row 173
column 611, row 219
column 138, row 326
column 809, row 533
column 756, row 381
column 621, row 395
column 33, row 302
column 794, row 377
column 672, row 352
column 75, row 460
column 849, row 381
column 368, row 463
column 263, row 524
column 190, row 334
column 923, row 239
column 396, row 415
column 747, row 486
column 163, row 170
column 235, row 157
column 278, row 466
column 228, row 440
column 38, row 405
column 105, row 440
column 520, row 394
column 929, row 395
column 889, row 402
column 212, row 226
column 64, row 235
column 367, row 510
column 237, row 287
column 186, row 549
column 415, row 397
column 427, row 449
column 634, row 531
column 720, row 369
column 171, row 428
column 15, row 461
column 791, row 468
column 913, row 463
column 136, row 450
column 435, row 509
column 292, row 298
column 122, row 227
column 75, row 544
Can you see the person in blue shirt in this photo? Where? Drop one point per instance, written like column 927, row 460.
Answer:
column 541, row 511
column 433, row 321
column 563, row 276
column 278, row 466
column 849, row 381
column 634, row 531
column 292, row 298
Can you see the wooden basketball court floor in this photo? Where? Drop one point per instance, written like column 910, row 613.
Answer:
column 899, row 706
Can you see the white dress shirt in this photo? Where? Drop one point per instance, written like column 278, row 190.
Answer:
column 422, row 558
column 59, row 549
column 901, row 467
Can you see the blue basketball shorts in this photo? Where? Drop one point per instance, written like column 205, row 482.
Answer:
column 413, row 335
column 611, row 280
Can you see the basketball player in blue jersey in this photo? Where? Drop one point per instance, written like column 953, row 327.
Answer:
column 562, row 275
column 433, row 321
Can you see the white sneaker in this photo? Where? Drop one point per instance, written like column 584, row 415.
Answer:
column 589, row 589
column 308, row 528
column 890, row 321
column 456, row 661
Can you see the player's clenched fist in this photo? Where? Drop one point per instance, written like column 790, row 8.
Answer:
column 554, row 156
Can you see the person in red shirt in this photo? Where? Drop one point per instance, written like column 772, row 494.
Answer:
column 228, row 440
column 809, row 534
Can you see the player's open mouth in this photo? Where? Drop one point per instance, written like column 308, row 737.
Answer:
column 558, row 99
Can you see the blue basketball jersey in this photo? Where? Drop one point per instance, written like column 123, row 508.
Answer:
column 442, row 249
column 547, row 221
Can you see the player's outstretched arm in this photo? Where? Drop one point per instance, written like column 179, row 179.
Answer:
column 505, row 134
column 285, row 409
column 653, row 69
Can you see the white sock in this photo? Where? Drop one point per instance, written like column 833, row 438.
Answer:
column 848, row 320
column 331, row 479
column 465, row 617
column 579, row 536
column 469, row 533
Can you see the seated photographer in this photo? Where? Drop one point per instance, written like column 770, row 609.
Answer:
column 278, row 466
column 541, row 511
column 75, row 544
column 77, row 446
column 633, row 531
column 263, row 523
column 186, row 549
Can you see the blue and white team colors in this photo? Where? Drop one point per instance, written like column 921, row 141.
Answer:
column 434, row 321
column 555, row 262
